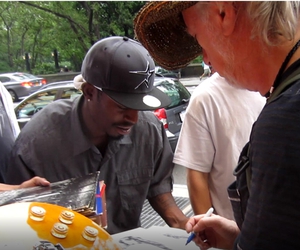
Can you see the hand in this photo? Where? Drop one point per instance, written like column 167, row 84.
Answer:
column 35, row 181
column 214, row 231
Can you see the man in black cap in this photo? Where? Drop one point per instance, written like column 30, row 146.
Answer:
column 107, row 129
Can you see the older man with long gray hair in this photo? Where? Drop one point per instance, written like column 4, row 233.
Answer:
column 253, row 45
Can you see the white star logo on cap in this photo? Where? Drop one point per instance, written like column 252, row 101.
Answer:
column 147, row 73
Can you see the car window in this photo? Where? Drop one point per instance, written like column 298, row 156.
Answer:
column 175, row 90
column 31, row 106
column 4, row 79
column 70, row 93
column 19, row 77
column 26, row 75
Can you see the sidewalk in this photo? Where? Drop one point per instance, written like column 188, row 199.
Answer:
column 180, row 190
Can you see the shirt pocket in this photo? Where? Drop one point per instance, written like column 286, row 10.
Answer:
column 134, row 186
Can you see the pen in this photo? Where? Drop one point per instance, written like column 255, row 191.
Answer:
column 192, row 235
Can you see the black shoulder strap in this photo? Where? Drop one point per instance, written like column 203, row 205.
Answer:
column 283, row 86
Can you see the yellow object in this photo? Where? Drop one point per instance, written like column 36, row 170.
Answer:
column 19, row 228
column 66, row 217
column 37, row 213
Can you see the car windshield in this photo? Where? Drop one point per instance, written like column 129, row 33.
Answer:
column 37, row 102
column 175, row 90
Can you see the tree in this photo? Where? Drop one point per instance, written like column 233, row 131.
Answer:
column 39, row 28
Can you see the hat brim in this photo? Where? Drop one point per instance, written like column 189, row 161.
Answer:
column 152, row 100
column 160, row 27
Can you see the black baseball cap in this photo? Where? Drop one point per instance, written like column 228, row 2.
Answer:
column 123, row 69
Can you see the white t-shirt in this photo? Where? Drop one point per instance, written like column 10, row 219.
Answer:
column 216, row 127
column 205, row 66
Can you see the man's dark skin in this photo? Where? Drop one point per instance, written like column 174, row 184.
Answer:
column 117, row 123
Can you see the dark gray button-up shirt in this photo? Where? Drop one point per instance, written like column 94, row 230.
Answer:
column 139, row 166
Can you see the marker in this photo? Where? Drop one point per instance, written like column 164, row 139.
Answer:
column 192, row 235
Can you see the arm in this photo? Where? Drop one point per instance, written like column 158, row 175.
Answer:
column 165, row 206
column 35, row 181
column 7, row 187
column 159, row 193
column 197, row 183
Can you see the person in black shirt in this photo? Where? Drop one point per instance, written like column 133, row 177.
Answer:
column 254, row 45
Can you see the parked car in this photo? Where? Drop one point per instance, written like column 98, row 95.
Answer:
column 20, row 85
column 159, row 71
column 38, row 100
column 172, row 116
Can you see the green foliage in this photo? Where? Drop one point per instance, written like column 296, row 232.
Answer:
column 44, row 68
column 4, row 68
column 119, row 17
column 197, row 60
column 69, row 27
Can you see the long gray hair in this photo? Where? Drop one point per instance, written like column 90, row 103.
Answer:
column 274, row 21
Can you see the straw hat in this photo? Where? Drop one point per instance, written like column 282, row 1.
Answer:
column 160, row 27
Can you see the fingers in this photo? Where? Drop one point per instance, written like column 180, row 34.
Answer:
column 195, row 223
column 38, row 181
column 35, row 181
column 198, row 224
column 201, row 240
column 203, row 245
column 213, row 231
column 189, row 227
